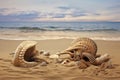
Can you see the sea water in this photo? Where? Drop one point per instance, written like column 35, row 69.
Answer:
column 58, row 30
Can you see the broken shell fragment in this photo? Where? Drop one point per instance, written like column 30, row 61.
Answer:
column 101, row 59
column 53, row 56
column 43, row 64
column 46, row 53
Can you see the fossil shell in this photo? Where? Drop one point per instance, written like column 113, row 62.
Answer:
column 23, row 54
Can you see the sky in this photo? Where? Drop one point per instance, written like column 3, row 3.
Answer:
column 60, row 10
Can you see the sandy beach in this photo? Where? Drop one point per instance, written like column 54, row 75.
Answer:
column 59, row 40
column 56, row 71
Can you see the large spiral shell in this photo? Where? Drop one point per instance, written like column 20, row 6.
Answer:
column 82, row 47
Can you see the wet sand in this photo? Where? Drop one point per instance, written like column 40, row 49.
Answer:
column 56, row 71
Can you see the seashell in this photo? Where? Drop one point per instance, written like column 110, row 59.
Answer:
column 23, row 54
column 81, row 48
column 101, row 59
column 84, row 49
column 65, row 61
column 46, row 53
column 53, row 56
column 43, row 64
column 88, row 57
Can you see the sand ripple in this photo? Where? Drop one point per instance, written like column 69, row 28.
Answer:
column 56, row 72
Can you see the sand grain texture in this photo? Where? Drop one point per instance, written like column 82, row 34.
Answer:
column 56, row 71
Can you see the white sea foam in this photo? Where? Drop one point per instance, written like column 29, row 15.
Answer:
column 53, row 38
column 44, row 35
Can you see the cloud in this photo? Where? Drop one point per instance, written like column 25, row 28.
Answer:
column 18, row 15
column 77, row 13
column 35, row 15
column 58, row 15
column 27, row 15
column 96, row 14
column 72, row 11
column 63, row 11
column 3, row 9
column 63, row 7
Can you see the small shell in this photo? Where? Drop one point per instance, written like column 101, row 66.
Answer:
column 43, row 64
column 65, row 61
column 46, row 53
column 53, row 56
column 101, row 59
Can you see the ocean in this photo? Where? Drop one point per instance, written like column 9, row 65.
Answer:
column 58, row 30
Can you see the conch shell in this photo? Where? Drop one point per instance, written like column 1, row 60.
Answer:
column 84, row 49
column 81, row 48
column 25, row 53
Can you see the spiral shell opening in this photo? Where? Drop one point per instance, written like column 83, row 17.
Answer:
column 24, row 53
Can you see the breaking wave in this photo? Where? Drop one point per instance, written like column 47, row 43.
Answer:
column 59, row 29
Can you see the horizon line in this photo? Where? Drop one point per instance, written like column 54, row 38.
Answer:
column 59, row 21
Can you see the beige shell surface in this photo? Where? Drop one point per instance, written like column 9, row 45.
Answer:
column 84, row 49
column 81, row 48
column 18, row 59
column 84, row 45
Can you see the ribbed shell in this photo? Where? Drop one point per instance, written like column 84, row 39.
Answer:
column 83, row 45
column 18, row 59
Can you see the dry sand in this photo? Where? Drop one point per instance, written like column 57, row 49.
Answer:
column 56, row 71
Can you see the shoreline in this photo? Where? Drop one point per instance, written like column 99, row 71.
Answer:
column 46, row 35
